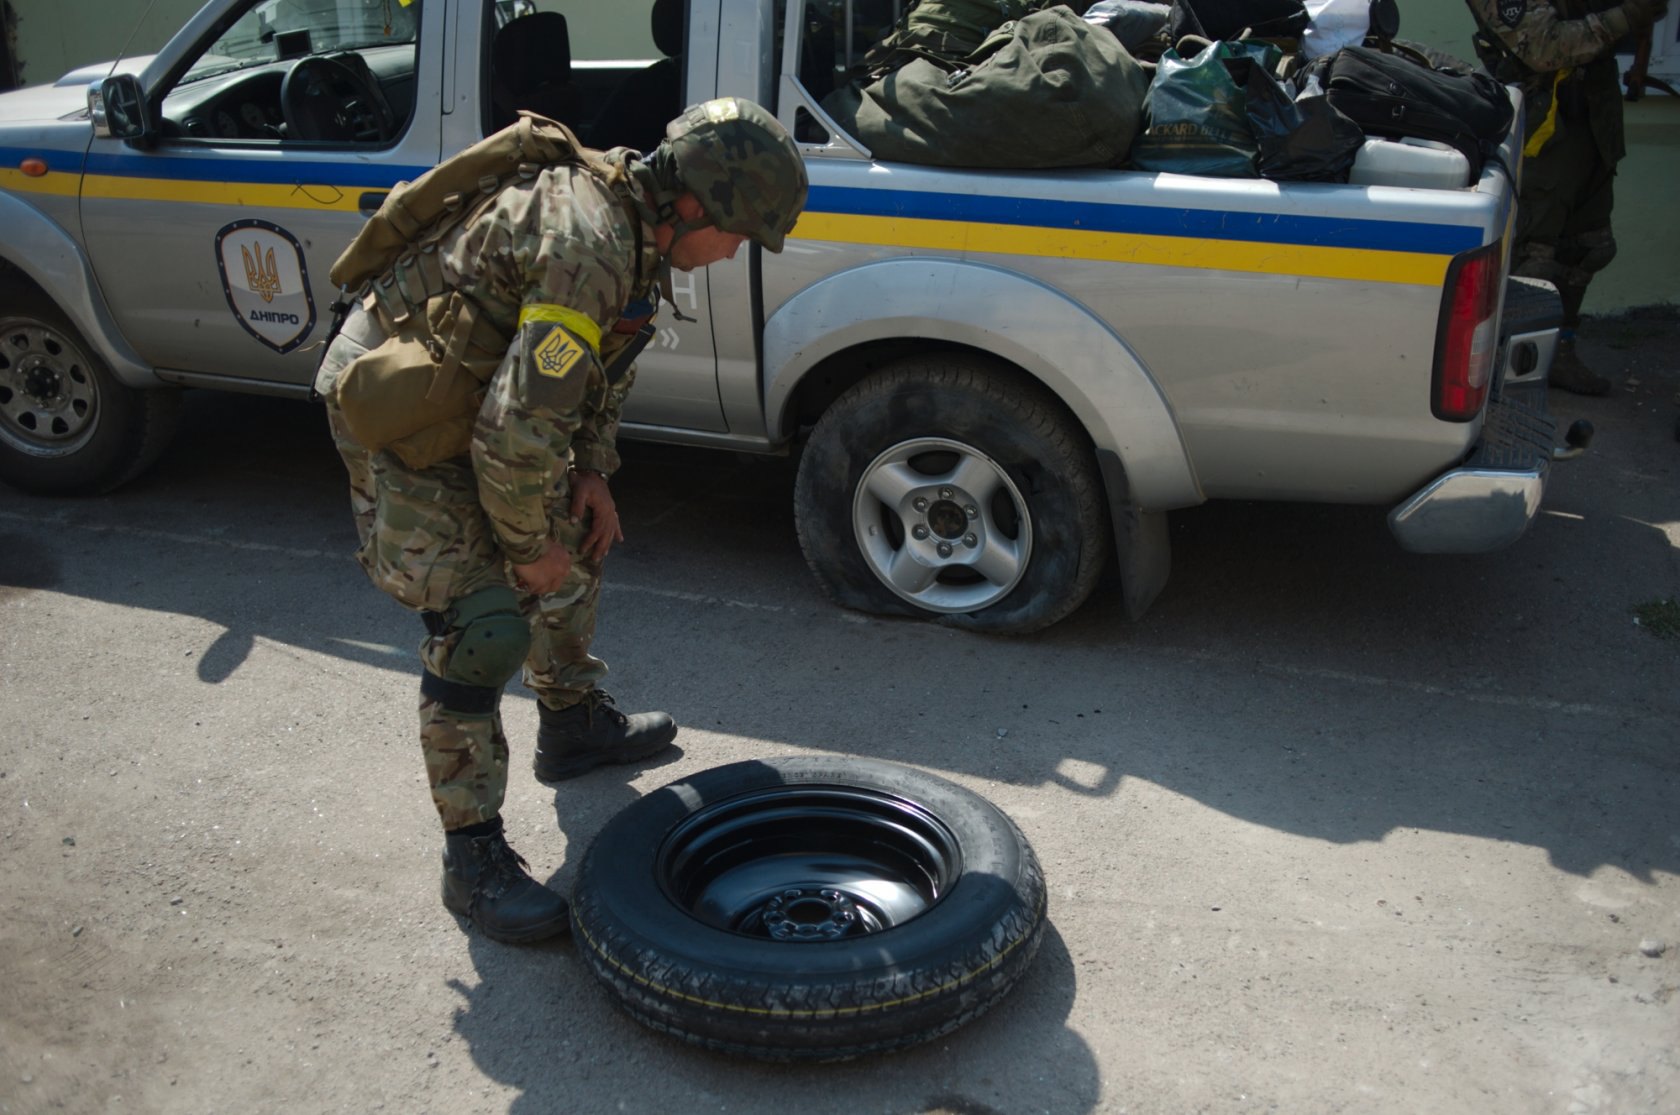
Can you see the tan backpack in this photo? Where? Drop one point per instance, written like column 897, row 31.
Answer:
column 408, row 395
column 455, row 190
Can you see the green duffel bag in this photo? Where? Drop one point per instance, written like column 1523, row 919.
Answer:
column 944, row 31
column 1048, row 90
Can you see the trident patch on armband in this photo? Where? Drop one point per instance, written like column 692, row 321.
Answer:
column 557, row 353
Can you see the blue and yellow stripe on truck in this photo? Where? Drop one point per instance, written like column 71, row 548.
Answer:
column 265, row 178
column 62, row 180
column 1380, row 251
column 1167, row 236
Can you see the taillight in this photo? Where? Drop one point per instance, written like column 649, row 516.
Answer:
column 1468, row 335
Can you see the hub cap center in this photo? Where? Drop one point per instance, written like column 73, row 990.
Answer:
column 41, row 381
column 809, row 914
column 947, row 520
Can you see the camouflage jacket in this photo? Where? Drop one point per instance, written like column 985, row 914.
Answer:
column 556, row 263
column 1531, row 43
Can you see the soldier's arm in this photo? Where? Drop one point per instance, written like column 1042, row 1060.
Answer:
column 1544, row 41
column 595, row 446
column 533, row 405
column 576, row 274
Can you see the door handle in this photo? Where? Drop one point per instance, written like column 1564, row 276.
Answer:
column 370, row 201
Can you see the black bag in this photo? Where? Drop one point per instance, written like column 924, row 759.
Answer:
column 1227, row 19
column 1136, row 23
column 1302, row 138
column 1396, row 96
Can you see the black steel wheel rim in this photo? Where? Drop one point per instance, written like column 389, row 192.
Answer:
column 809, row 864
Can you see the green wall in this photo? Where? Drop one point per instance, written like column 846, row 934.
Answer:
column 1445, row 24
column 55, row 36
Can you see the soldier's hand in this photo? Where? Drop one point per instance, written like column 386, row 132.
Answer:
column 1643, row 13
column 591, row 496
column 547, row 573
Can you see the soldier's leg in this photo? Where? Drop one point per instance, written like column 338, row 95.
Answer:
column 560, row 669
column 1586, row 243
column 432, row 549
column 471, row 650
column 579, row 726
column 1564, row 182
column 1550, row 181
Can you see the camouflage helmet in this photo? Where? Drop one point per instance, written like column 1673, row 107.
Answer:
column 742, row 166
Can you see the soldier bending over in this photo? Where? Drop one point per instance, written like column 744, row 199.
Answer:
column 474, row 391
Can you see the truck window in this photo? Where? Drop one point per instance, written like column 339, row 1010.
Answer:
column 310, row 71
column 611, row 70
column 837, row 35
column 606, row 30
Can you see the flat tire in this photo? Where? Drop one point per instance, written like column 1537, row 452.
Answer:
column 950, row 488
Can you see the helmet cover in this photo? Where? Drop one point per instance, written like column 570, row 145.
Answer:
column 742, row 167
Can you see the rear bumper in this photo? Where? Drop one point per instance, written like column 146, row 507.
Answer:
column 1487, row 502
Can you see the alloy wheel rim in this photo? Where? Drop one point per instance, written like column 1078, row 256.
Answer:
column 942, row 525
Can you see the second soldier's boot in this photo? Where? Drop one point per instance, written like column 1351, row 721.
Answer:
column 593, row 733
column 1570, row 374
column 484, row 880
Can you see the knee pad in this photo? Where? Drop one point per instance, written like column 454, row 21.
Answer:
column 467, row 702
column 493, row 641
column 1539, row 261
column 1597, row 249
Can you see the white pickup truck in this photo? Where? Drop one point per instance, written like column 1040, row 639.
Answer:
column 998, row 382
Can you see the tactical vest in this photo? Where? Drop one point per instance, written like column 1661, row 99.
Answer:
column 1588, row 95
column 418, row 393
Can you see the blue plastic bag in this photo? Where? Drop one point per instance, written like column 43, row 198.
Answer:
column 1197, row 113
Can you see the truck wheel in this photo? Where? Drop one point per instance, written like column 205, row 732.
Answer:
column 809, row 908
column 67, row 426
column 941, row 489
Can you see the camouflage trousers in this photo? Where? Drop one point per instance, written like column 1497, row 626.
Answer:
column 1563, row 230
column 425, row 541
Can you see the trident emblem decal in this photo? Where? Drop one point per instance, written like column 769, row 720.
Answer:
column 266, row 282
column 261, row 275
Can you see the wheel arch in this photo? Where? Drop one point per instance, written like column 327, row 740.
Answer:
column 833, row 334
column 41, row 258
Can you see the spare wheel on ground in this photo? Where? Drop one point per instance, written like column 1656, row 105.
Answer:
column 809, row 908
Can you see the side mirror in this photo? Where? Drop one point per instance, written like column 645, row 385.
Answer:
column 118, row 108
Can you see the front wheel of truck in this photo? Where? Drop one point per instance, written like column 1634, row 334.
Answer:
column 947, row 488
column 67, row 425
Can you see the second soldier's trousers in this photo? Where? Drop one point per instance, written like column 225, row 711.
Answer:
column 1563, row 216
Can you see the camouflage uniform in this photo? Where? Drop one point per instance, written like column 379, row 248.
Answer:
column 554, row 264
column 1561, row 53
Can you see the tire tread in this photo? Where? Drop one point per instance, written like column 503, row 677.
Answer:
column 782, row 1013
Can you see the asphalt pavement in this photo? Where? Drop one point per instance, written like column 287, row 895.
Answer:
column 1333, row 828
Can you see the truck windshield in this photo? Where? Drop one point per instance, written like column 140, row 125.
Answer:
column 277, row 29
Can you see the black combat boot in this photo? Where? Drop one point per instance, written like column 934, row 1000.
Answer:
column 484, row 880
column 592, row 733
column 1570, row 374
